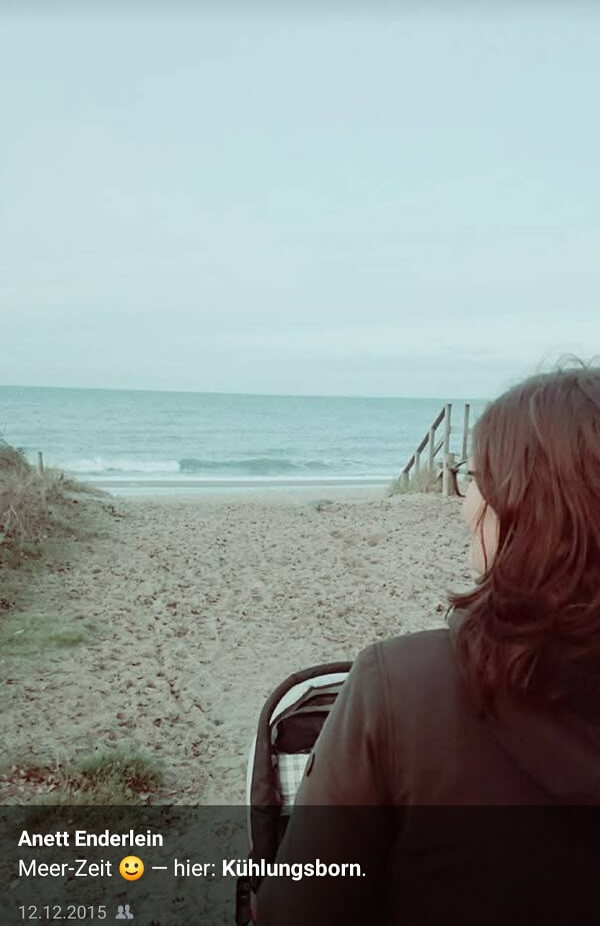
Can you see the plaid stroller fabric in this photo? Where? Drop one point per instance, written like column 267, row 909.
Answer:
column 291, row 768
column 288, row 727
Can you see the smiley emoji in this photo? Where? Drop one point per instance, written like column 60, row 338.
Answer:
column 131, row 868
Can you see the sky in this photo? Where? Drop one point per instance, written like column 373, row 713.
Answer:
column 321, row 201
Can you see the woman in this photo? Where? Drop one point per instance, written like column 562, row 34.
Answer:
column 451, row 765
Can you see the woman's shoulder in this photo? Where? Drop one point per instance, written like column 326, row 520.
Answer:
column 417, row 666
column 414, row 644
column 412, row 652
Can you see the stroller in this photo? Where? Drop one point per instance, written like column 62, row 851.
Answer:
column 288, row 727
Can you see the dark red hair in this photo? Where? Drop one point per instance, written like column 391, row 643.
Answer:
column 535, row 612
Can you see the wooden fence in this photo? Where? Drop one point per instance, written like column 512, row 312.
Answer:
column 433, row 442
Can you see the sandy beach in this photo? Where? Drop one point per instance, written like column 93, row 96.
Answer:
column 194, row 608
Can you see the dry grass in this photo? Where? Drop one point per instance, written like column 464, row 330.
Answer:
column 423, row 481
column 115, row 777
column 33, row 505
column 23, row 503
column 24, row 634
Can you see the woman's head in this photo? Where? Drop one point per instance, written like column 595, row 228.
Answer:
column 534, row 514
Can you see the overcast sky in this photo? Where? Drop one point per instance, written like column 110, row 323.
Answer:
column 325, row 202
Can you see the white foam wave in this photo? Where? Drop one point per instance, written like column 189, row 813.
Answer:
column 102, row 466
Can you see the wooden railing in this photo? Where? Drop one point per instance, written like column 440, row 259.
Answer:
column 431, row 446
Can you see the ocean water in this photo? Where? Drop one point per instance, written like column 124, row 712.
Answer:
column 130, row 441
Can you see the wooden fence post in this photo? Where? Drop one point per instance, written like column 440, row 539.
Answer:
column 465, row 443
column 445, row 473
column 448, row 482
column 40, row 461
column 447, row 421
column 431, row 448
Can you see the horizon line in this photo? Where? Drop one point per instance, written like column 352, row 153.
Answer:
column 274, row 395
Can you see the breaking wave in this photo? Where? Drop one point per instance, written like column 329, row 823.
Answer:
column 188, row 466
column 253, row 466
column 98, row 466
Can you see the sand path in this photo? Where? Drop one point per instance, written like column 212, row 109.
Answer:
column 199, row 608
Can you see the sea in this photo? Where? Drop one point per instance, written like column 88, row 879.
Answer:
column 134, row 442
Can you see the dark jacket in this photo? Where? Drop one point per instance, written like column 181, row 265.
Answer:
column 454, row 815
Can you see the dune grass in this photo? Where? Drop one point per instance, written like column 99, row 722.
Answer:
column 115, row 777
column 23, row 505
column 423, row 481
column 26, row 634
column 110, row 777
column 34, row 506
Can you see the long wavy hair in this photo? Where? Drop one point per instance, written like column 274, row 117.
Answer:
column 534, row 615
